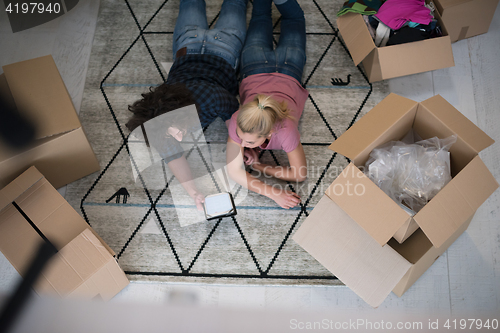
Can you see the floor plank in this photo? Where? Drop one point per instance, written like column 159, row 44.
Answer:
column 474, row 259
column 455, row 83
column 73, row 46
column 417, row 87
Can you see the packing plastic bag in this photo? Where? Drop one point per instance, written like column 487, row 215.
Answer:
column 411, row 173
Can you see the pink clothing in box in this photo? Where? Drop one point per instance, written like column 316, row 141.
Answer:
column 282, row 88
column 395, row 13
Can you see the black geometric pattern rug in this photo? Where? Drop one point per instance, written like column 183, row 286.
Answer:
column 133, row 38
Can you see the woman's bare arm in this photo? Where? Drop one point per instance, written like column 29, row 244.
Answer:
column 235, row 165
column 296, row 172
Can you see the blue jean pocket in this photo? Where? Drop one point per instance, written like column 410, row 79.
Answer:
column 230, row 38
column 295, row 57
column 253, row 55
column 190, row 34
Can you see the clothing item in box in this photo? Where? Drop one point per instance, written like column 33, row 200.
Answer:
column 407, row 34
column 365, row 7
column 410, row 32
column 396, row 13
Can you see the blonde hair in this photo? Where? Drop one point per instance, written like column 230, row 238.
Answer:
column 260, row 115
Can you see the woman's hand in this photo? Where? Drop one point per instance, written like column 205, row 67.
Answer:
column 251, row 156
column 286, row 199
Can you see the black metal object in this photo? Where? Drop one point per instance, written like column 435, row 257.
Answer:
column 338, row 81
column 122, row 192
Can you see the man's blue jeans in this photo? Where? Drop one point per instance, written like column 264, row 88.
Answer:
column 224, row 40
column 289, row 57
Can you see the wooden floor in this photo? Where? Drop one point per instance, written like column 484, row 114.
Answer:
column 465, row 280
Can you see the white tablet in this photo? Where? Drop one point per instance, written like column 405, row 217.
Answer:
column 219, row 205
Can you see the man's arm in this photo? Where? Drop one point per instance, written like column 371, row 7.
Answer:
column 181, row 170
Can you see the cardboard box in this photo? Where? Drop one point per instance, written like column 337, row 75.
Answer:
column 351, row 229
column 387, row 62
column 61, row 150
column 31, row 210
column 466, row 18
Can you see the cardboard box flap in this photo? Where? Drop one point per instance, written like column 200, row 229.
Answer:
column 367, row 204
column 73, row 264
column 40, row 94
column 458, row 123
column 357, row 38
column 19, row 242
column 17, row 187
column 45, row 208
column 405, row 59
column 373, row 125
column 104, row 284
column 84, row 264
column 346, row 250
column 456, row 202
column 78, row 266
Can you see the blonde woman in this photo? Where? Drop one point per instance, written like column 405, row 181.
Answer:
column 272, row 101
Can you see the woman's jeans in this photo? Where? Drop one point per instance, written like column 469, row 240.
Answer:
column 224, row 40
column 289, row 57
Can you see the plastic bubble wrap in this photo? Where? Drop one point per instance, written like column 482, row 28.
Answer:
column 409, row 172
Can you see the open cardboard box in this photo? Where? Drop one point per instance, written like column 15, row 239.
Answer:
column 31, row 210
column 351, row 230
column 466, row 18
column 387, row 62
column 61, row 150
